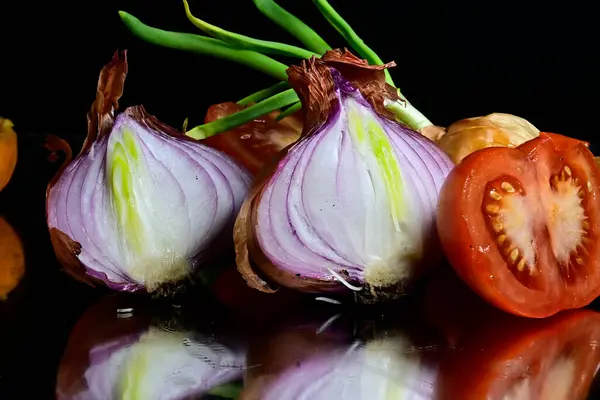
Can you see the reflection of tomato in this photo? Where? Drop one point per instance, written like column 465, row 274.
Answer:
column 520, row 225
column 546, row 359
column 254, row 143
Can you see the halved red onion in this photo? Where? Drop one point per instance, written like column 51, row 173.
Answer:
column 142, row 205
column 352, row 204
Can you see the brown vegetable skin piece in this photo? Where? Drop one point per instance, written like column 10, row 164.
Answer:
column 313, row 82
column 12, row 259
column 257, row 141
column 8, row 151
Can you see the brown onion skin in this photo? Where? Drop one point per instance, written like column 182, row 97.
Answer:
column 255, row 142
column 433, row 132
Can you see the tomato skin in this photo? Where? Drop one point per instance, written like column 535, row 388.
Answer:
column 472, row 250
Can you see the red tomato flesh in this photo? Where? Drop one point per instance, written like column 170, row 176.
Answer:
column 256, row 142
column 520, row 225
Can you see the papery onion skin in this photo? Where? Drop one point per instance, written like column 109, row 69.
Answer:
column 494, row 130
column 304, row 200
column 255, row 142
column 142, row 206
column 8, row 151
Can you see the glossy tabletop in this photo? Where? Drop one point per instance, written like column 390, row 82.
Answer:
column 61, row 338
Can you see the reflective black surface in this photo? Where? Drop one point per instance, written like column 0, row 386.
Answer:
column 61, row 338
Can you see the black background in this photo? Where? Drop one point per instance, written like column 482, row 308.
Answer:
column 455, row 60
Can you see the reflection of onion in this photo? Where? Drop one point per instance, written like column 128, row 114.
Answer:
column 12, row 259
column 380, row 369
column 326, row 364
column 160, row 365
column 113, row 358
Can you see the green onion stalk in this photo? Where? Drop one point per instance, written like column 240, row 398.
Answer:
column 257, row 54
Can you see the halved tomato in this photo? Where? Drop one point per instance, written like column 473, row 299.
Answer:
column 521, row 225
column 256, row 142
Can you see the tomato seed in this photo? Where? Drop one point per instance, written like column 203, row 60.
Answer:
column 514, row 254
column 498, row 226
column 501, row 239
column 508, row 187
column 495, row 195
column 493, row 208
